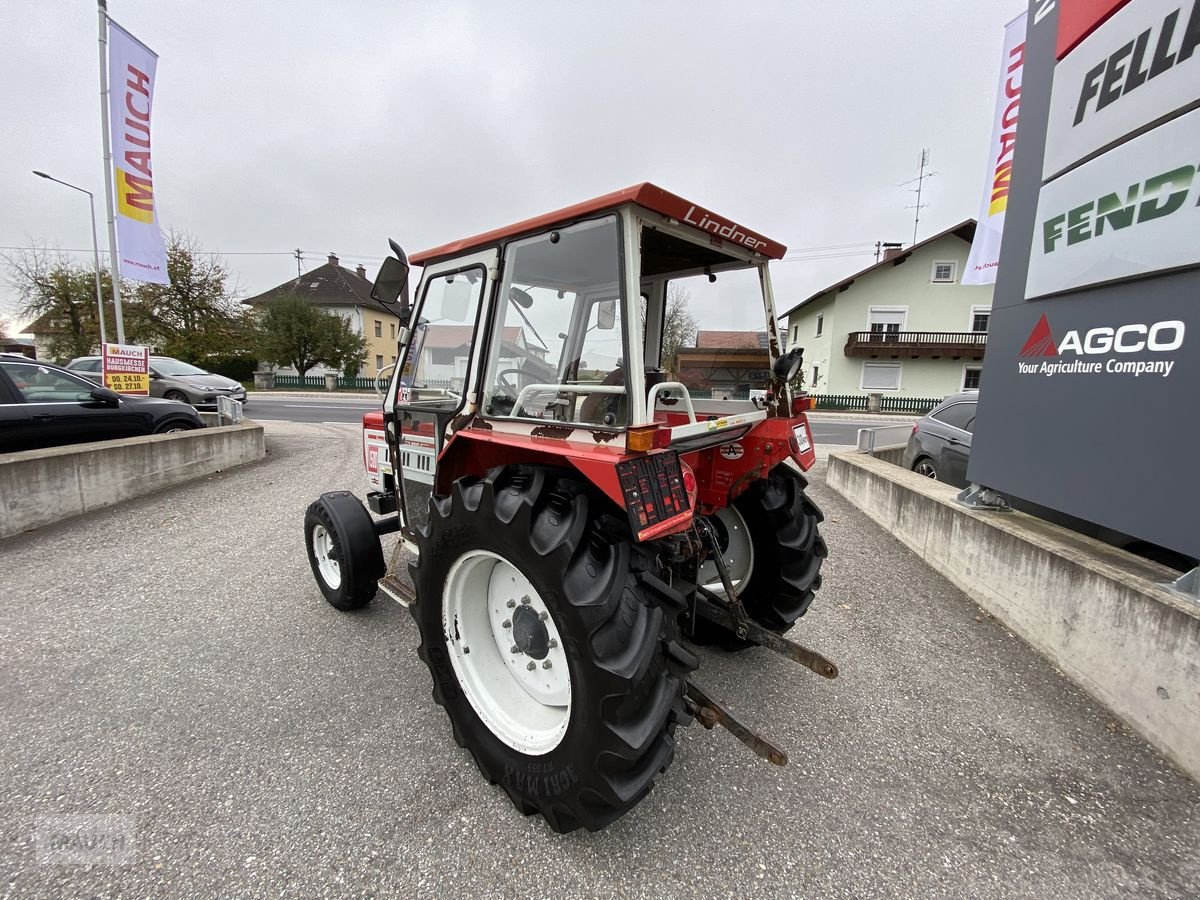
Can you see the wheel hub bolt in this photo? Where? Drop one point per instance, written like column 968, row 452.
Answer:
column 511, row 603
column 507, row 623
column 525, row 600
column 531, row 666
column 514, row 649
column 553, row 643
column 543, row 615
column 545, row 664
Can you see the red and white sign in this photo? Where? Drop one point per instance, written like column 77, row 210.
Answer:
column 126, row 369
column 985, row 248
column 131, row 71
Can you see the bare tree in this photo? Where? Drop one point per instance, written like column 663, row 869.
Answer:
column 679, row 326
column 63, row 296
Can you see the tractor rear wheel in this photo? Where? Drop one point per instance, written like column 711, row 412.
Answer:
column 773, row 548
column 551, row 642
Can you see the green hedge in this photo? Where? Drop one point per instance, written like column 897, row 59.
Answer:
column 238, row 366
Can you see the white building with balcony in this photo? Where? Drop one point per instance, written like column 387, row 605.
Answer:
column 905, row 326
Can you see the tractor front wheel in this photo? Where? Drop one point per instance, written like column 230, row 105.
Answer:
column 773, row 550
column 552, row 644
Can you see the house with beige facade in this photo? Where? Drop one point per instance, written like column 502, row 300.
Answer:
column 905, row 326
column 346, row 292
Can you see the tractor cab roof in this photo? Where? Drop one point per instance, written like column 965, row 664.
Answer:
column 720, row 230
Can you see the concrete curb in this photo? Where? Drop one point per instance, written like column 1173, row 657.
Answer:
column 39, row 487
column 1101, row 615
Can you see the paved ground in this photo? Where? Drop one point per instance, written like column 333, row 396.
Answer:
column 827, row 428
column 172, row 661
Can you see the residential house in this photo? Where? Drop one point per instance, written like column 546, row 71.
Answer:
column 905, row 326
column 729, row 363
column 346, row 292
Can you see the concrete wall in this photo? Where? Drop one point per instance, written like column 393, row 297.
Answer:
column 1100, row 614
column 38, row 487
column 930, row 307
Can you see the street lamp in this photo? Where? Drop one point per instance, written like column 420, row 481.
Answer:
column 95, row 248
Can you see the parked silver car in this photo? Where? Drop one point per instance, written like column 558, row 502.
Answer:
column 941, row 441
column 172, row 379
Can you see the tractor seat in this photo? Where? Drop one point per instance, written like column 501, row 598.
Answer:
column 595, row 408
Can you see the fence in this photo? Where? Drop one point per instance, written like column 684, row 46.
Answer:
column 859, row 403
column 317, row 383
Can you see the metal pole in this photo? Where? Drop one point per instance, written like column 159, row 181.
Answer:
column 102, row 8
column 95, row 246
column 96, row 261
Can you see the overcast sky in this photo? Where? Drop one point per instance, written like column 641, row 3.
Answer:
column 334, row 126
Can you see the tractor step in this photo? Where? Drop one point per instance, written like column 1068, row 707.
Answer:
column 709, row 712
column 714, row 609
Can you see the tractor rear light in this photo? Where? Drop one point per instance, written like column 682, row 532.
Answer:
column 689, row 480
column 645, row 438
column 803, row 404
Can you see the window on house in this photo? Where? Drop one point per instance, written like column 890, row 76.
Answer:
column 979, row 319
column 378, row 362
column 795, row 334
column 944, row 271
column 971, row 377
column 820, row 325
column 378, row 328
column 392, row 326
column 815, row 374
column 880, row 377
column 885, row 323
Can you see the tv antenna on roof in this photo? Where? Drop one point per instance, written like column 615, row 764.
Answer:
column 920, row 180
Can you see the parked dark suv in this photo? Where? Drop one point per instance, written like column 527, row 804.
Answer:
column 45, row 406
column 940, row 442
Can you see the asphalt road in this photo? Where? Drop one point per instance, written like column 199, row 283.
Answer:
column 268, row 408
column 171, row 662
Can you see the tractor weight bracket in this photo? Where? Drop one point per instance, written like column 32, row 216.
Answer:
column 709, row 713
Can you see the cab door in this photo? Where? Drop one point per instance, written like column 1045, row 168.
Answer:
column 437, row 379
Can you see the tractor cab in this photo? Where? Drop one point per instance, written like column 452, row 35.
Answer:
column 560, row 336
column 584, row 487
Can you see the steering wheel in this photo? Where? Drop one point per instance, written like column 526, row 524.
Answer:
column 502, row 382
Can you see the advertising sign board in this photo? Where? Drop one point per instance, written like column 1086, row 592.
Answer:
column 126, row 368
column 1093, row 359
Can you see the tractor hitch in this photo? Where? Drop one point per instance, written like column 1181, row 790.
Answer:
column 711, row 607
column 709, row 713
column 729, row 612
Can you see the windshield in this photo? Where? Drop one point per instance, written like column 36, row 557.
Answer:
column 174, row 367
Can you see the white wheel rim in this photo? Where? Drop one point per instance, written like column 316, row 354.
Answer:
column 523, row 697
column 738, row 554
column 327, row 564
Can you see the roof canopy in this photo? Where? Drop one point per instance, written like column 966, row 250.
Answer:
column 649, row 196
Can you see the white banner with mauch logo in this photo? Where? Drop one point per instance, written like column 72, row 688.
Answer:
column 984, row 259
column 131, row 73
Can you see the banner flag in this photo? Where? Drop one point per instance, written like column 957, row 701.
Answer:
column 131, row 70
column 985, row 249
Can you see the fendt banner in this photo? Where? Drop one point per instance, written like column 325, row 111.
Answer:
column 985, row 249
column 131, row 72
column 1093, row 360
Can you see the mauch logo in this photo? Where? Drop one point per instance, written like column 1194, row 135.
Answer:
column 1103, row 340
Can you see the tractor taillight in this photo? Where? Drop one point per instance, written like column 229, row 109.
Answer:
column 655, row 493
column 689, row 480
column 803, row 404
column 645, row 438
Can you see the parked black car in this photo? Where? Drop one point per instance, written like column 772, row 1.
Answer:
column 42, row 405
column 940, row 442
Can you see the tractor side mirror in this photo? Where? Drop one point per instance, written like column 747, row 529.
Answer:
column 522, row 298
column 788, row 366
column 606, row 315
column 391, row 284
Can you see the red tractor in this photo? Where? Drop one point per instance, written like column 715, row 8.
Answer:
column 570, row 516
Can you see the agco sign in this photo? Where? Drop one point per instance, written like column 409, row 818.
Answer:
column 1103, row 340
